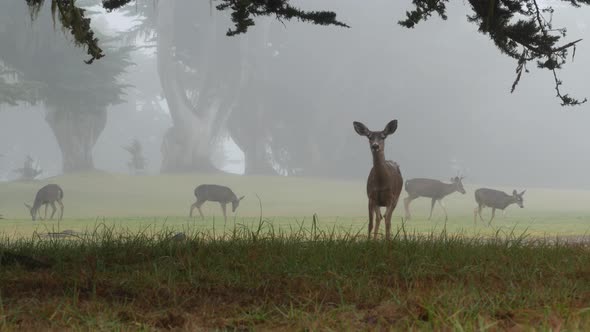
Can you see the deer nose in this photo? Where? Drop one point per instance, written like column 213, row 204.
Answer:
column 375, row 146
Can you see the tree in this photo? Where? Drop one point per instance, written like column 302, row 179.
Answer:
column 13, row 90
column 29, row 171
column 521, row 29
column 206, row 80
column 137, row 162
column 197, row 67
column 529, row 37
column 75, row 95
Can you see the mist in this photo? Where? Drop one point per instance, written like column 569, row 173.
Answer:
column 281, row 99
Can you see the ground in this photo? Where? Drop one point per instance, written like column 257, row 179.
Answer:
column 274, row 265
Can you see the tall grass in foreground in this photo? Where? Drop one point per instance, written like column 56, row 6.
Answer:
column 304, row 278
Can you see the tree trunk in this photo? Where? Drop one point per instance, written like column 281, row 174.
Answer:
column 249, row 136
column 76, row 132
column 256, row 157
column 186, row 145
column 182, row 151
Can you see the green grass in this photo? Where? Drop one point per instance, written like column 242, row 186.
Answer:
column 287, row 270
column 302, row 279
column 136, row 202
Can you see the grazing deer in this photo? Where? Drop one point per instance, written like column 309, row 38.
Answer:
column 496, row 200
column 384, row 183
column 47, row 195
column 215, row 193
column 434, row 189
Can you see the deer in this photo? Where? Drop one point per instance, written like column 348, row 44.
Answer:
column 48, row 195
column 384, row 183
column 215, row 193
column 495, row 199
column 433, row 189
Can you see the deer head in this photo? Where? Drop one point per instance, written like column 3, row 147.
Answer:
column 376, row 138
column 31, row 211
column 236, row 203
column 457, row 181
column 518, row 198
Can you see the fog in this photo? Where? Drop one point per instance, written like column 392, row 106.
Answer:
column 280, row 99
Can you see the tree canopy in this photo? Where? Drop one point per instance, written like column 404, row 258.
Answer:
column 521, row 29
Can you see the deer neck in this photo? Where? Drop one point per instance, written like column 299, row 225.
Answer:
column 512, row 200
column 449, row 188
column 36, row 206
column 380, row 166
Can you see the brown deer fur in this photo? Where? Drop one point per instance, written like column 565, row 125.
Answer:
column 384, row 183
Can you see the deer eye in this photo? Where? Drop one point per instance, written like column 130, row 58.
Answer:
column 383, row 136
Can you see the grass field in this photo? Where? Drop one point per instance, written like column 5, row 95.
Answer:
column 137, row 202
column 281, row 269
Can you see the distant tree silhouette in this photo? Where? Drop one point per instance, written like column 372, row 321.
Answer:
column 137, row 162
column 29, row 171
column 39, row 67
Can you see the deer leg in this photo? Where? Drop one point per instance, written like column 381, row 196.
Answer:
column 479, row 212
column 378, row 217
column 46, row 206
column 388, row 214
column 198, row 205
column 193, row 206
column 61, row 208
column 431, row 207
column 493, row 214
column 407, row 202
column 224, row 213
column 442, row 205
column 370, row 218
column 53, row 209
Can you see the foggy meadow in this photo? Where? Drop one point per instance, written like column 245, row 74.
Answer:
column 298, row 165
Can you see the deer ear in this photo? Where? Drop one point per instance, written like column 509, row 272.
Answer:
column 522, row 193
column 241, row 198
column 360, row 128
column 27, row 206
column 390, row 128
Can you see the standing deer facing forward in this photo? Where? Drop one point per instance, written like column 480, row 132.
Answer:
column 215, row 193
column 384, row 183
column 434, row 189
column 496, row 200
column 47, row 195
